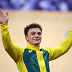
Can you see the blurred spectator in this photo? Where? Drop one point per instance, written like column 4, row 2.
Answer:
column 11, row 4
column 5, row 4
column 48, row 5
column 63, row 6
column 17, row 4
column 30, row 5
column 69, row 4
column 52, row 5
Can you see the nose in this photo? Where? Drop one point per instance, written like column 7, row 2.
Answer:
column 36, row 35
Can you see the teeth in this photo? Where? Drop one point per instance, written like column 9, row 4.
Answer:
column 35, row 38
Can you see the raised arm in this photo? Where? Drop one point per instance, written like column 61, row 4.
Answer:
column 56, row 52
column 13, row 50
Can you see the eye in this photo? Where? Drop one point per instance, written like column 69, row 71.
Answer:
column 39, row 33
column 33, row 33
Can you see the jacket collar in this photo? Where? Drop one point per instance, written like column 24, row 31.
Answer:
column 33, row 47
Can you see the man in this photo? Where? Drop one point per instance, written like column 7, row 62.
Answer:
column 32, row 58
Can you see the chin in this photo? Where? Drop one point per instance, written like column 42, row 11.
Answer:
column 37, row 44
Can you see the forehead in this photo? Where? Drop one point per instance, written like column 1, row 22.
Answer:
column 34, row 30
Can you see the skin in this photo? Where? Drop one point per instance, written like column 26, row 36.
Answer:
column 3, row 18
column 34, row 36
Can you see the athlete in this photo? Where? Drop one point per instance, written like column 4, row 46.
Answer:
column 32, row 58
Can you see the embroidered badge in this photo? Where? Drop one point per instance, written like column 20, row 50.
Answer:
column 30, row 51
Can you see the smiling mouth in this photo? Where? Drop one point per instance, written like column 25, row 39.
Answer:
column 36, row 39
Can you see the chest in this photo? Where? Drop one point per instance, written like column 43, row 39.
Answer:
column 32, row 55
column 36, row 60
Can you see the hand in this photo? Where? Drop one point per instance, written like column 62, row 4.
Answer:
column 3, row 18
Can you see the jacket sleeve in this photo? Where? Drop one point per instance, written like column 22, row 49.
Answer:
column 13, row 50
column 56, row 52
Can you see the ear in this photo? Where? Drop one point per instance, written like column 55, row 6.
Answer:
column 26, row 37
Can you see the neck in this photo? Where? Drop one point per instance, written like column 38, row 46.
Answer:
column 33, row 47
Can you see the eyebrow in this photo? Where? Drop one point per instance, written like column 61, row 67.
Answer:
column 35, row 32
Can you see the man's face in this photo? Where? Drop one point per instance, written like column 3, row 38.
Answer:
column 34, row 36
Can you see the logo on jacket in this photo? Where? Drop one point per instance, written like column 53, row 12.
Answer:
column 30, row 51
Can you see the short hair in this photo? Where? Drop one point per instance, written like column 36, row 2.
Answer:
column 33, row 25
